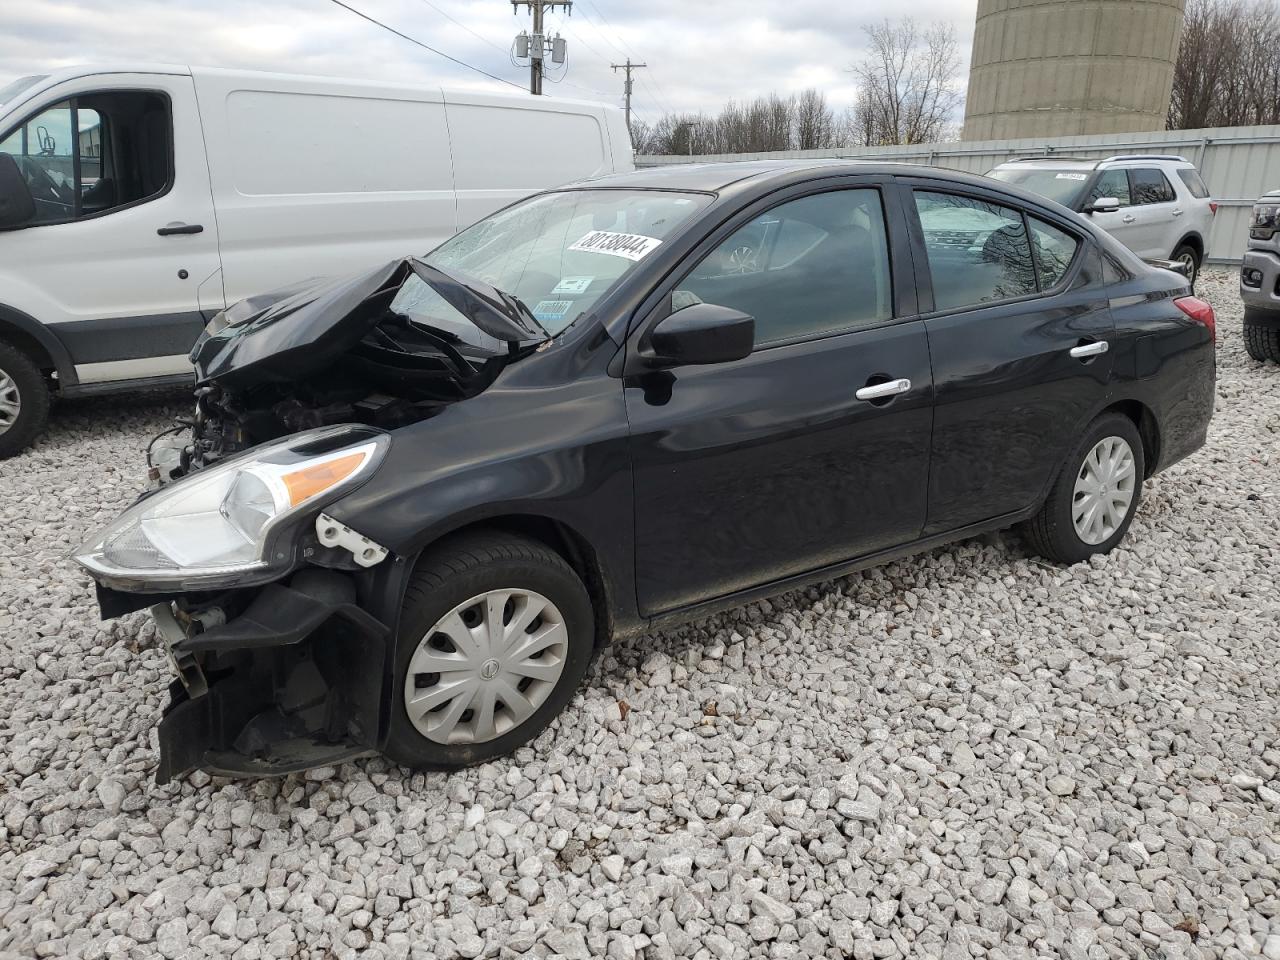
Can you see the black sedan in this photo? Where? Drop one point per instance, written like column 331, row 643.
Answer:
column 410, row 506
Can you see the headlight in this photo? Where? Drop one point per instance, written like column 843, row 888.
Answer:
column 1266, row 220
column 232, row 523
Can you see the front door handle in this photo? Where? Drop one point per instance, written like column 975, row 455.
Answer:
column 878, row 391
column 1090, row 349
column 1128, row 218
column 1177, row 213
column 177, row 227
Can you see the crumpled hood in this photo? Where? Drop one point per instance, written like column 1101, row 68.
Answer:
column 300, row 329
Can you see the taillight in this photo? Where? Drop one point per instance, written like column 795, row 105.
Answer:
column 1200, row 311
column 1213, row 206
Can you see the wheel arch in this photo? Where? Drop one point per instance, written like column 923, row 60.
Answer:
column 565, row 540
column 35, row 339
column 1148, row 429
column 1193, row 240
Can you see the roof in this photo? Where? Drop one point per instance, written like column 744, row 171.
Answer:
column 712, row 177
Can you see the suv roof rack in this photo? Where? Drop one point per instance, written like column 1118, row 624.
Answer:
column 1145, row 156
column 1098, row 162
column 1053, row 156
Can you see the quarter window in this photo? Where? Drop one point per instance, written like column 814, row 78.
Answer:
column 810, row 267
column 1111, row 183
column 978, row 251
column 1194, row 184
column 1054, row 251
column 1150, row 186
column 94, row 153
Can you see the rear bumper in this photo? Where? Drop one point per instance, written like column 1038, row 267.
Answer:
column 1263, row 294
column 293, row 680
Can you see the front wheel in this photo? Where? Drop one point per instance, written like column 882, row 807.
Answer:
column 1092, row 502
column 496, row 634
column 1262, row 339
column 24, row 400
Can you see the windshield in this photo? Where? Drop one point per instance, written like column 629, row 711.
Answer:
column 11, row 90
column 559, row 253
column 1063, row 184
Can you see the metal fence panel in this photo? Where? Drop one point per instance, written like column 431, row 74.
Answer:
column 1237, row 163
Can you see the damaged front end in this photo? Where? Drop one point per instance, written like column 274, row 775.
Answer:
column 277, row 618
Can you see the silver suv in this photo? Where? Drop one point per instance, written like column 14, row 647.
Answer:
column 1260, row 280
column 1155, row 205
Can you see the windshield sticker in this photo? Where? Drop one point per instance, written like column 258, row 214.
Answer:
column 572, row 285
column 552, row 309
column 1072, row 176
column 633, row 246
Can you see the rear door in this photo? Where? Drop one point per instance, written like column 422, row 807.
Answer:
column 755, row 470
column 123, row 252
column 1019, row 331
column 1155, row 207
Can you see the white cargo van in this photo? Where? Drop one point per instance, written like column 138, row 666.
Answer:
column 137, row 201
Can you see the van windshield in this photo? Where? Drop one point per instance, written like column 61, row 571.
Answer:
column 11, row 90
column 1063, row 184
column 559, row 253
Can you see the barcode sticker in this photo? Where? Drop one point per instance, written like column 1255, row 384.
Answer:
column 632, row 246
column 1072, row 176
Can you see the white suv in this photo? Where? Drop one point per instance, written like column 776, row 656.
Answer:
column 1155, row 205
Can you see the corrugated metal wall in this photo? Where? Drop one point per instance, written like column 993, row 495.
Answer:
column 1237, row 163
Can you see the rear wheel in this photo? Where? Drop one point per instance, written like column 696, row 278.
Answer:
column 1262, row 340
column 1092, row 502
column 24, row 400
column 496, row 634
column 1190, row 260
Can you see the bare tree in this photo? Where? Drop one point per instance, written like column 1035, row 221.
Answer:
column 1228, row 67
column 814, row 123
column 907, row 83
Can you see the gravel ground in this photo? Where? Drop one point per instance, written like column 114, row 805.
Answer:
column 971, row 753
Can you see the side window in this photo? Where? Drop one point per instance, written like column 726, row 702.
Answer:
column 1054, row 250
column 94, row 153
column 1195, row 185
column 1111, row 183
column 1150, row 186
column 806, row 268
column 978, row 251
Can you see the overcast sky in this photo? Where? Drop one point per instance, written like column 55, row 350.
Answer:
column 701, row 53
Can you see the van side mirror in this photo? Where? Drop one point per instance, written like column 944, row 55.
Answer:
column 703, row 333
column 1103, row 205
column 16, row 206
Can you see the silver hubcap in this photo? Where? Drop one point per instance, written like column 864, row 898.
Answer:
column 10, row 402
column 1104, row 490
column 486, row 666
column 1189, row 262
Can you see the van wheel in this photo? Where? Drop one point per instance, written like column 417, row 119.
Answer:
column 495, row 635
column 1262, row 340
column 24, row 400
column 1187, row 256
column 1093, row 501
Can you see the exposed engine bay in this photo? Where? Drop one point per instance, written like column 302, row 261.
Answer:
column 348, row 351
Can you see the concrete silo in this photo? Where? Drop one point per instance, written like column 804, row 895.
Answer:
column 1062, row 67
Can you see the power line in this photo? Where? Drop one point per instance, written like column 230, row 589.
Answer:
column 478, row 36
column 662, row 102
column 439, row 53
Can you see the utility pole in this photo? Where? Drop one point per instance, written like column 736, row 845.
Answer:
column 626, row 86
column 536, row 45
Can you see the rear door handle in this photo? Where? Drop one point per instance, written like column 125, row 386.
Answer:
column 1177, row 213
column 1128, row 218
column 878, row 391
column 170, row 229
column 1090, row 349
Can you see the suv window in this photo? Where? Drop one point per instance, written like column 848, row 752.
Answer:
column 1150, row 186
column 94, row 153
column 1193, row 182
column 1110, row 183
column 978, row 251
column 806, row 268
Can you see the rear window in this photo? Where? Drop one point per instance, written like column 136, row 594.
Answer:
column 1193, row 182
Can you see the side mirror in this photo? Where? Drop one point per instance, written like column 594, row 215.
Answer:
column 16, row 206
column 703, row 333
column 1103, row 205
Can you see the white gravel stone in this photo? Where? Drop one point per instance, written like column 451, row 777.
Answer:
column 878, row 777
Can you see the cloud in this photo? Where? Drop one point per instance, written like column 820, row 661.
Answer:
column 700, row 54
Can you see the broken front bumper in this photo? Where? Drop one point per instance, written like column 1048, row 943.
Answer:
column 293, row 680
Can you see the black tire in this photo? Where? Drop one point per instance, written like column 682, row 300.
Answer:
column 458, row 569
column 1262, row 340
column 1186, row 250
column 1051, row 533
column 33, row 397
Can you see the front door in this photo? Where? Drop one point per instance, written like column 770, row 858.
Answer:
column 1020, row 339
column 122, row 254
column 812, row 450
